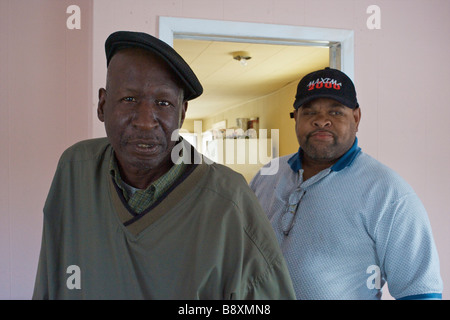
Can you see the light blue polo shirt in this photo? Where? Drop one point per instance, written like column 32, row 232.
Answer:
column 349, row 229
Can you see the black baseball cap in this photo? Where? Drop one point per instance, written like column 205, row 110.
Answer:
column 326, row 83
column 130, row 39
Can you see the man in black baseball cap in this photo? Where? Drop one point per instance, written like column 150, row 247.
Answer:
column 326, row 83
column 135, row 217
column 345, row 222
column 327, row 116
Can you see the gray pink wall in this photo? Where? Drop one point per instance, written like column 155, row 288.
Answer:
column 45, row 103
column 49, row 77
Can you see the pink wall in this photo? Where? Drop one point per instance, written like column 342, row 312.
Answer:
column 50, row 76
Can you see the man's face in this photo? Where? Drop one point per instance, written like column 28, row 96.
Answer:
column 142, row 105
column 326, row 129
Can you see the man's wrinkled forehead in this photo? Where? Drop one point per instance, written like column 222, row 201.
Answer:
column 132, row 56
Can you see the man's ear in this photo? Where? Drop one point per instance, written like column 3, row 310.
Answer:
column 101, row 104
column 184, row 107
column 357, row 117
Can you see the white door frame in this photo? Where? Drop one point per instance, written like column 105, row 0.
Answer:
column 340, row 41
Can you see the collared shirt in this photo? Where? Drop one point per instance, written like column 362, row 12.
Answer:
column 141, row 199
column 349, row 229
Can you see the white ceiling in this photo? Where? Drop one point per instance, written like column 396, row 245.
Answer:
column 226, row 83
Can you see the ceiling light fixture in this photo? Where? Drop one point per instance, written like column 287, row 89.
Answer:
column 242, row 57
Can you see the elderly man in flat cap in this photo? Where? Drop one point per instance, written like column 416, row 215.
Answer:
column 128, row 218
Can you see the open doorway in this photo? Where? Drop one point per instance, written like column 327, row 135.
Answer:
column 233, row 73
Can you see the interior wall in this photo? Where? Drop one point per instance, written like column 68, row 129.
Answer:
column 47, row 98
column 45, row 90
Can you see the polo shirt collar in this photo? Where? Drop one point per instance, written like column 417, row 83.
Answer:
column 295, row 162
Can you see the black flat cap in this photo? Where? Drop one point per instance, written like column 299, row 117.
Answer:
column 129, row 39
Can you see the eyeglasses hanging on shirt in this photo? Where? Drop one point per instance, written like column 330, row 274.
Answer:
column 288, row 218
